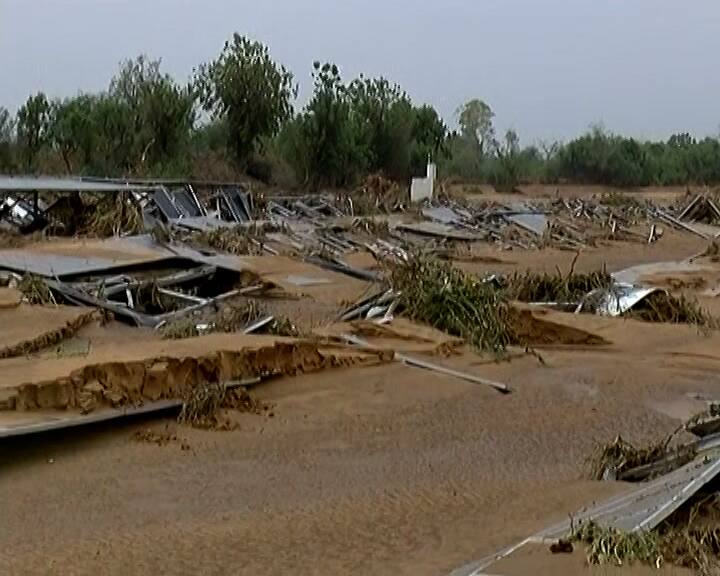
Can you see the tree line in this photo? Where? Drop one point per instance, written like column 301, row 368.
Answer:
column 237, row 115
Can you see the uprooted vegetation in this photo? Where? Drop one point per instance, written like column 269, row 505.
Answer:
column 35, row 290
column 113, row 215
column 592, row 287
column 460, row 304
column 475, row 310
column 663, row 307
column 622, row 460
column 555, row 287
column 376, row 195
column 237, row 240
column 690, row 538
column 203, row 404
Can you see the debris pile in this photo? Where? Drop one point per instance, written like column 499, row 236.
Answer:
column 189, row 261
column 376, row 195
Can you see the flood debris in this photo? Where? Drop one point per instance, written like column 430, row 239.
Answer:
column 203, row 405
column 113, row 215
column 620, row 460
column 237, row 240
column 446, row 298
column 555, row 287
column 227, row 318
column 433, row 367
column 661, row 306
column 690, row 538
column 35, row 290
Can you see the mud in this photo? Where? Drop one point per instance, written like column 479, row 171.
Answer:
column 123, row 383
column 401, row 335
column 30, row 327
column 161, row 437
column 379, row 469
column 51, row 338
column 9, row 298
column 531, row 330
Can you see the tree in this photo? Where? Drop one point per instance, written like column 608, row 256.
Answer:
column 7, row 130
column 250, row 91
column 73, row 131
column 429, row 138
column 326, row 144
column 475, row 118
column 33, row 124
column 508, row 159
column 162, row 113
column 385, row 119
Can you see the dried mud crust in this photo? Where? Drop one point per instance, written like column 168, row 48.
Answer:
column 533, row 331
column 51, row 338
column 132, row 383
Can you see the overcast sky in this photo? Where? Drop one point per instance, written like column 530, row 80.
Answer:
column 548, row 68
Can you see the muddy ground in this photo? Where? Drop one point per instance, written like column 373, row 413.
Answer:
column 375, row 470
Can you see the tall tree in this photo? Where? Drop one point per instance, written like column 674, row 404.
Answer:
column 162, row 113
column 33, row 124
column 7, row 131
column 324, row 144
column 248, row 89
column 429, row 138
column 384, row 117
column 476, row 124
column 73, row 131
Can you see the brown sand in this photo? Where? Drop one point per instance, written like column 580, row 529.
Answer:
column 27, row 327
column 155, row 370
column 381, row 470
column 333, row 287
column 9, row 298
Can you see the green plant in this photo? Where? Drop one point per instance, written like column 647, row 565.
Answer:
column 457, row 303
column 250, row 92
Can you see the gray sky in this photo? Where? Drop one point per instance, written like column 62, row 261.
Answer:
column 549, row 68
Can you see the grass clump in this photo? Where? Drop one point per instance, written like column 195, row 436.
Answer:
column 283, row 327
column 180, row 329
column 690, row 538
column 35, row 290
column 664, row 307
column 376, row 195
column 437, row 294
column 546, row 287
column 201, row 405
column 610, row 546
